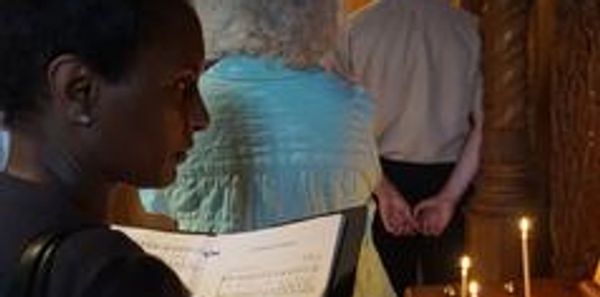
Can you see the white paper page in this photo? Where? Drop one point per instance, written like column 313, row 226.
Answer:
column 294, row 260
column 188, row 255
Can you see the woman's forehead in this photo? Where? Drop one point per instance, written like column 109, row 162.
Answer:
column 182, row 47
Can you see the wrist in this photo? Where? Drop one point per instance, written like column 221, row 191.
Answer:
column 381, row 196
column 449, row 198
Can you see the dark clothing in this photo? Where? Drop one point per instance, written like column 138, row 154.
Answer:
column 96, row 262
column 437, row 256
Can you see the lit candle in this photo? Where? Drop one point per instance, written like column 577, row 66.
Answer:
column 474, row 289
column 525, row 225
column 597, row 277
column 465, row 265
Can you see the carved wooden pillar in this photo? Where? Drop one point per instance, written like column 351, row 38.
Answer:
column 575, row 162
column 505, row 189
column 541, row 46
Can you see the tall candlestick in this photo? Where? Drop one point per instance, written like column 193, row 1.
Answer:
column 465, row 265
column 474, row 289
column 597, row 277
column 525, row 225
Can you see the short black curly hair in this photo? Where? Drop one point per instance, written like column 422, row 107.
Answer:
column 105, row 34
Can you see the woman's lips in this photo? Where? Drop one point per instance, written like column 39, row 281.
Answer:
column 180, row 157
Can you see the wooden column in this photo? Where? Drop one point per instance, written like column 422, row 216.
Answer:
column 541, row 43
column 575, row 154
column 505, row 189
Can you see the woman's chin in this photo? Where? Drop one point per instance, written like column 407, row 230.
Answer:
column 158, row 179
column 166, row 178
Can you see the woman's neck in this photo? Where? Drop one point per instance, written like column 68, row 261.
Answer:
column 46, row 162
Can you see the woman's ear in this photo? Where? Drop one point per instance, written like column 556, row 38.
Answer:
column 73, row 89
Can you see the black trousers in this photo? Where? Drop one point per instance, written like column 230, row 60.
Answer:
column 437, row 257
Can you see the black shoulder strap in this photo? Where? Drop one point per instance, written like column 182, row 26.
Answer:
column 31, row 276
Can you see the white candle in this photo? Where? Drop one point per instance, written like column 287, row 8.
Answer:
column 597, row 277
column 465, row 265
column 525, row 225
column 474, row 289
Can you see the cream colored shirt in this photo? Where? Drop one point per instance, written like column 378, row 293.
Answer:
column 420, row 59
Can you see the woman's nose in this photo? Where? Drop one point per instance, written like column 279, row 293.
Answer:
column 200, row 119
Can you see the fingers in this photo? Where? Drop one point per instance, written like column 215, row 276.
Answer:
column 432, row 223
column 389, row 224
column 410, row 222
column 423, row 206
column 426, row 226
column 435, row 229
column 429, row 215
column 398, row 223
column 427, row 218
column 404, row 224
column 395, row 224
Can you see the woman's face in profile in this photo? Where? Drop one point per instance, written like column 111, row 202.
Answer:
column 149, row 117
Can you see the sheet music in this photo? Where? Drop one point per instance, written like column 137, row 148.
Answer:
column 187, row 255
column 294, row 260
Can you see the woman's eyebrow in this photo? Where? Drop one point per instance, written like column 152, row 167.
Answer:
column 209, row 63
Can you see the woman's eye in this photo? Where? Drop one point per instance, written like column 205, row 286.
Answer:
column 182, row 85
column 190, row 89
column 188, row 92
column 185, row 87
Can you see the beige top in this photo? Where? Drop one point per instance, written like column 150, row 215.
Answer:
column 420, row 61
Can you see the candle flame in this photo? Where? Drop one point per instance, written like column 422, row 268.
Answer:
column 474, row 287
column 465, row 262
column 525, row 224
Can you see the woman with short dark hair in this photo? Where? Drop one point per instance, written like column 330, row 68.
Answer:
column 94, row 93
